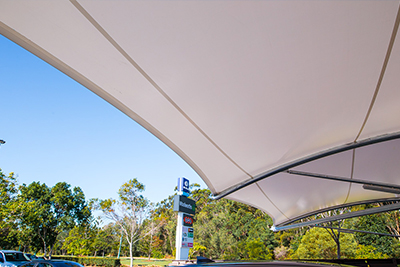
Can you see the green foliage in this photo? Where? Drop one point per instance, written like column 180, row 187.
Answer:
column 151, row 243
column 8, row 188
column 231, row 230
column 396, row 249
column 37, row 217
column 223, row 229
column 369, row 252
column 80, row 240
column 8, row 211
column 46, row 212
column 197, row 250
column 107, row 240
column 375, row 223
column 166, row 218
column 256, row 250
column 129, row 212
column 286, row 237
column 317, row 243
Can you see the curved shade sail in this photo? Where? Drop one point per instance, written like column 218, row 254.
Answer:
column 241, row 90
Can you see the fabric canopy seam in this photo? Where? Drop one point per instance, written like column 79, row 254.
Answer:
column 383, row 70
column 262, row 191
column 114, row 43
column 47, row 57
column 351, row 175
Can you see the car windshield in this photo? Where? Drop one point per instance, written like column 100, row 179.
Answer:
column 15, row 256
column 32, row 257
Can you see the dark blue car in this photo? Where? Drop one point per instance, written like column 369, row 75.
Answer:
column 11, row 258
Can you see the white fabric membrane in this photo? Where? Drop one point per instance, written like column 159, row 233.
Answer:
column 240, row 88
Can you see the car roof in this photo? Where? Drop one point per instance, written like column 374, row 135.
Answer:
column 54, row 260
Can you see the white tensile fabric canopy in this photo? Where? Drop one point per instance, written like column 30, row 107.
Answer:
column 249, row 93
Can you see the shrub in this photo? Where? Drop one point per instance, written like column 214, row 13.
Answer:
column 92, row 261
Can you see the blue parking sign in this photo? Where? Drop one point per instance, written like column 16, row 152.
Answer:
column 183, row 186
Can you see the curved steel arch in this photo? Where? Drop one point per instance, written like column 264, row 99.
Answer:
column 323, row 154
column 348, row 215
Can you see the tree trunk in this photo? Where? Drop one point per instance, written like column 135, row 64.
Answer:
column 151, row 243
column 44, row 249
column 51, row 251
column 336, row 238
column 131, row 253
column 43, row 237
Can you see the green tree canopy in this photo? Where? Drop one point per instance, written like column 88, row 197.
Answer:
column 232, row 230
column 46, row 211
column 317, row 243
column 375, row 223
column 129, row 212
column 8, row 210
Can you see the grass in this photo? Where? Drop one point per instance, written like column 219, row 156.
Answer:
column 145, row 262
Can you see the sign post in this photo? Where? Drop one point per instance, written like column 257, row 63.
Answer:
column 184, row 228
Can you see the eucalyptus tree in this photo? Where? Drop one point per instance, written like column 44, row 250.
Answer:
column 128, row 212
column 107, row 240
column 166, row 232
column 231, row 230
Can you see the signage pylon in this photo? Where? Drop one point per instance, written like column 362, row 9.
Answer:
column 184, row 227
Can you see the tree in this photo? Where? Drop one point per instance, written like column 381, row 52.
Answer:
column 107, row 240
column 129, row 212
column 167, row 230
column 197, row 250
column 80, row 240
column 223, row 229
column 369, row 252
column 375, row 223
column 317, row 243
column 393, row 222
column 232, row 230
column 152, row 243
column 46, row 212
column 8, row 210
column 256, row 250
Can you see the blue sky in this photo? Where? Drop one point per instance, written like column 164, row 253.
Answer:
column 57, row 130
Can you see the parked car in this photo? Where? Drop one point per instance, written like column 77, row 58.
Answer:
column 51, row 263
column 11, row 258
column 33, row 257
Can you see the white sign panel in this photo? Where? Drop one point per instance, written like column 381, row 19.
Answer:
column 187, row 237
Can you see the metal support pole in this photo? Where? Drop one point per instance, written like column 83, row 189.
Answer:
column 120, row 244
